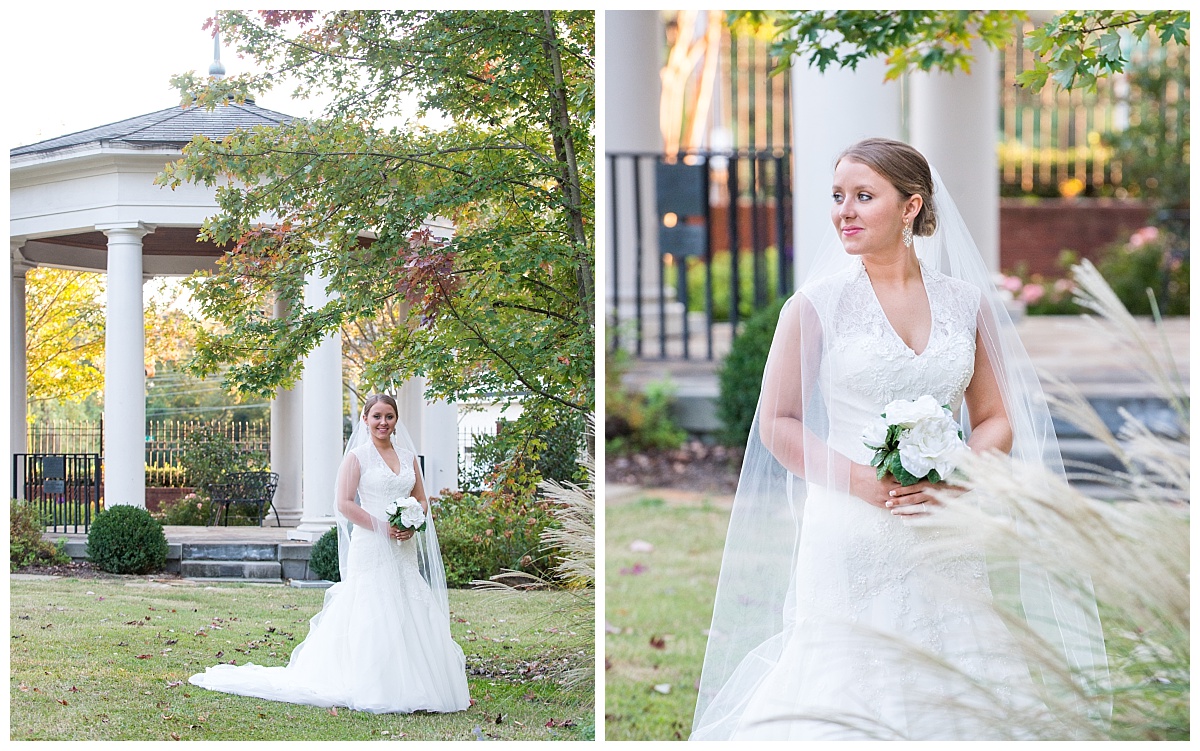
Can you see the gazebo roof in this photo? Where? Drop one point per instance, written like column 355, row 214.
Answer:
column 172, row 127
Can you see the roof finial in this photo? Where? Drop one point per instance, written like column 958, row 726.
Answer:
column 216, row 70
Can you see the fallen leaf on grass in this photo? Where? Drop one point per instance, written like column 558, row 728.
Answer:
column 553, row 723
column 658, row 642
column 62, row 702
column 144, row 657
column 663, row 688
column 499, row 718
column 173, row 684
column 636, row 569
column 73, row 690
column 174, row 736
column 333, row 711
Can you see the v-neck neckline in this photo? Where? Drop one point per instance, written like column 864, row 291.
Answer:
column 385, row 464
column 888, row 321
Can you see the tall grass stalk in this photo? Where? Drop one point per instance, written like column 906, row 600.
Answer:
column 1136, row 549
column 1129, row 556
column 572, row 539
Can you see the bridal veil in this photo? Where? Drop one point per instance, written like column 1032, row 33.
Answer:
column 755, row 612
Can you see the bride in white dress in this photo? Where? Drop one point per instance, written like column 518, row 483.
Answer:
column 381, row 642
column 846, row 608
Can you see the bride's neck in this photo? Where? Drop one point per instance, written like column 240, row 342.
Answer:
column 899, row 268
column 382, row 444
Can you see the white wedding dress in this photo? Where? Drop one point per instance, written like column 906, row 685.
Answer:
column 380, row 642
column 889, row 639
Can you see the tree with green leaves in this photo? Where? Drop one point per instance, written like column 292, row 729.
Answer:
column 1073, row 48
column 503, row 307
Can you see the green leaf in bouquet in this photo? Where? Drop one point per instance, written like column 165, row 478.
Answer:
column 933, row 476
column 902, row 475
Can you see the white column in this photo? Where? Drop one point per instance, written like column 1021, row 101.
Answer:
column 321, row 397
column 954, row 123
column 441, row 446
column 18, row 404
column 124, row 368
column 830, row 112
column 434, row 430
column 7, row 382
column 287, row 449
column 632, row 86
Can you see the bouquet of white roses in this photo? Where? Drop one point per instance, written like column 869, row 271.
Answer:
column 406, row 513
column 915, row 440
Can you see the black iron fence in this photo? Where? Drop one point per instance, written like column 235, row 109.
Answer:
column 64, row 487
column 699, row 243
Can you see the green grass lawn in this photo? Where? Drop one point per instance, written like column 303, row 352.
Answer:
column 109, row 659
column 658, row 608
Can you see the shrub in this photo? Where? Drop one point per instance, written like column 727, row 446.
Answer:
column 637, row 421
column 127, row 540
column 25, row 544
column 209, row 455
column 323, row 558
column 188, row 510
column 1152, row 259
column 482, row 534
column 740, row 377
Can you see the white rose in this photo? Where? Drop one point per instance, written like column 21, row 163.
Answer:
column 392, row 507
column 412, row 515
column 929, row 445
column 875, row 434
column 908, row 413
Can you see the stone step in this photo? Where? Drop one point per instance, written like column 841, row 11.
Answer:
column 228, row 569
column 230, row 551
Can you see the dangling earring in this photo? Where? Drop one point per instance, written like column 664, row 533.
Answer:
column 906, row 235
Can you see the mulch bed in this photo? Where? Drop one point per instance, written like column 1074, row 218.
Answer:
column 694, row 466
column 87, row 570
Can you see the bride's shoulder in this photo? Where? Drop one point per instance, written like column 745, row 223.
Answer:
column 822, row 288
column 955, row 288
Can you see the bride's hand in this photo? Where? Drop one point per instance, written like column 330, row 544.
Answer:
column 397, row 533
column 917, row 499
column 888, row 493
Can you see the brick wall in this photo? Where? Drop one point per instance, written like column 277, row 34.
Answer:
column 1037, row 232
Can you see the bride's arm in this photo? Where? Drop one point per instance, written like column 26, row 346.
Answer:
column 990, row 427
column 347, row 486
column 789, row 384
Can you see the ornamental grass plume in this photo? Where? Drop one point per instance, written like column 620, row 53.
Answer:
column 1135, row 545
column 572, row 541
column 1129, row 554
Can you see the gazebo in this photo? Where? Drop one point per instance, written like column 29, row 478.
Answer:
column 88, row 201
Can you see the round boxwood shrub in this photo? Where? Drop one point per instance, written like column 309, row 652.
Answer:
column 741, row 374
column 323, row 558
column 127, row 540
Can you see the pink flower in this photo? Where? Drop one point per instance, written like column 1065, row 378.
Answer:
column 1063, row 286
column 1031, row 293
column 1143, row 236
column 1011, row 283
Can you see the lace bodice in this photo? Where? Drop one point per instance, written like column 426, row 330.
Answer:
column 378, row 484
column 372, row 553
column 868, row 365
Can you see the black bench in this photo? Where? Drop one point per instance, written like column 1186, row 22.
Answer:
column 244, row 487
